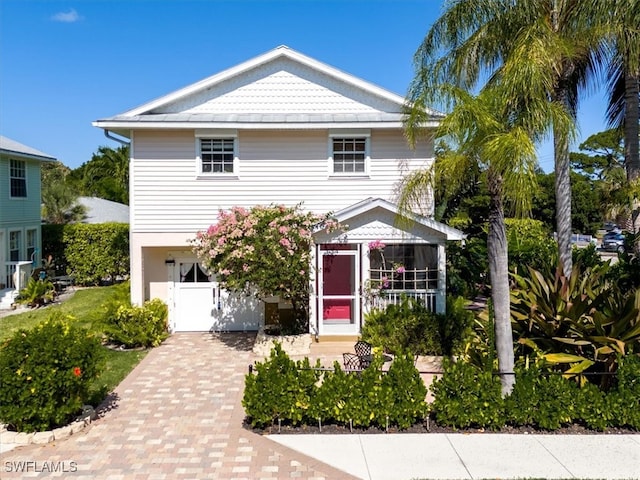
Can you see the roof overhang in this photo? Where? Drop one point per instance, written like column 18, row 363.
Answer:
column 406, row 220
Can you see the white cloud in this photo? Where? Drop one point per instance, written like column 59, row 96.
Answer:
column 67, row 17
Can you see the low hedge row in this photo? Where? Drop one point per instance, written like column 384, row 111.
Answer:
column 293, row 392
column 469, row 397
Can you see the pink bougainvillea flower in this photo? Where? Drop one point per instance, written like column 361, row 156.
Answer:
column 376, row 245
column 400, row 269
column 76, row 371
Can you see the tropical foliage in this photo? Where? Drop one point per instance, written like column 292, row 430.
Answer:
column 581, row 323
column 264, row 251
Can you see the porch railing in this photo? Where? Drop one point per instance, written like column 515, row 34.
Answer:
column 16, row 275
column 394, row 297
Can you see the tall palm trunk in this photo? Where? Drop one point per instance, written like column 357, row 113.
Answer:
column 631, row 135
column 499, row 276
column 563, row 188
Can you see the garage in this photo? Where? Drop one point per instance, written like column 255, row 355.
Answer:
column 200, row 305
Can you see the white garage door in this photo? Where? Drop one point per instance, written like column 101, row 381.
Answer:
column 201, row 306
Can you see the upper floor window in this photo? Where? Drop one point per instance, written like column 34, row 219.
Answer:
column 217, row 155
column 18, row 178
column 349, row 155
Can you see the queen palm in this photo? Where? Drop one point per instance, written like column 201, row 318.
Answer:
column 475, row 40
column 490, row 133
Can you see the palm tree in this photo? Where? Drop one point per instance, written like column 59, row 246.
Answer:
column 620, row 19
column 107, row 174
column 555, row 40
column 60, row 204
column 490, row 133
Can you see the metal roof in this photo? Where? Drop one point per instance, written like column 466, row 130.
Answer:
column 17, row 149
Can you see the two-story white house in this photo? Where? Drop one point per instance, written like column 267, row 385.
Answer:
column 281, row 128
column 20, row 217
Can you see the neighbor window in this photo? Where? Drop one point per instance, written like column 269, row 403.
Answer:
column 217, row 155
column 32, row 240
column 349, row 154
column 15, row 245
column 18, row 178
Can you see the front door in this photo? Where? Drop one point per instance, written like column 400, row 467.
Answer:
column 339, row 296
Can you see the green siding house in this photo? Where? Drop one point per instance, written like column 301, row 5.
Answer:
column 20, row 219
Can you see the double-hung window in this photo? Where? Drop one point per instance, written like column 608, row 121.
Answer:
column 349, row 153
column 18, row 178
column 217, row 152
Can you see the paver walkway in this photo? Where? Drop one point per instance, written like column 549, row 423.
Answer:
column 177, row 415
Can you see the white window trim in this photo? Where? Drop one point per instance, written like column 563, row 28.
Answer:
column 364, row 133
column 26, row 180
column 21, row 241
column 218, row 135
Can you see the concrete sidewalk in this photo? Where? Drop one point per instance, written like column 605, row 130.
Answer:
column 473, row 456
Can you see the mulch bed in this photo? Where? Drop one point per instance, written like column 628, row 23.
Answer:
column 431, row 427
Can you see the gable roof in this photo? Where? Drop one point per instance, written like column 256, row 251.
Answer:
column 18, row 150
column 386, row 210
column 279, row 89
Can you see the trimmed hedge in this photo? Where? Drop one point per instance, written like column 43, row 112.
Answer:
column 292, row 392
column 469, row 397
column 91, row 253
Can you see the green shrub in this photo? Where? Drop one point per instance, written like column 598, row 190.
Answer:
column 466, row 267
column 406, row 392
column 96, row 252
column 455, row 326
column 37, row 293
column 530, row 244
column 46, row 373
column 408, row 325
column 279, row 389
column 625, row 398
column 542, row 399
column 133, row 326
column 467, row 396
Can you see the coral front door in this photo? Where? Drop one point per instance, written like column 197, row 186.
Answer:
column 339, row 298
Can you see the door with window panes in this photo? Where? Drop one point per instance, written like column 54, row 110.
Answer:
column 202, row 306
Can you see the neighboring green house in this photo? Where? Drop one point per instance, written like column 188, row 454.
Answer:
column 20, row 199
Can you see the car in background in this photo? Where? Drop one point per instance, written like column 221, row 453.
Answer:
column 613, row 242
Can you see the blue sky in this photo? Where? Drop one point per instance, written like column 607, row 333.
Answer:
column 64, row 64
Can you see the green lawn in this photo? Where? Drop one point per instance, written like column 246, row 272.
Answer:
column 85, row 306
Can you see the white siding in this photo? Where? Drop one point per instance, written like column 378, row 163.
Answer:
column 274, row 167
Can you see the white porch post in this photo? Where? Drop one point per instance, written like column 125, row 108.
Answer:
column 365, row 268
column 313, row 296
column 441, row 300
column 137, row 272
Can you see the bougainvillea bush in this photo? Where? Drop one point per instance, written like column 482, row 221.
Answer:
column 264, row 251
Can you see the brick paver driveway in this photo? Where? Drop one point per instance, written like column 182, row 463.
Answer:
column 177, row 415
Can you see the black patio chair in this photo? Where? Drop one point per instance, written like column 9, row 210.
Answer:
column 363, row 351
column 351, row 362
